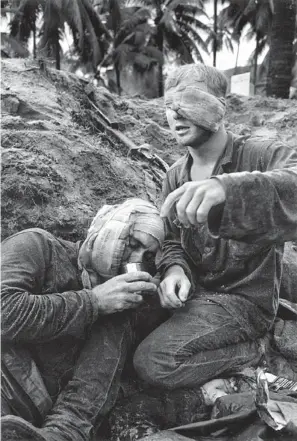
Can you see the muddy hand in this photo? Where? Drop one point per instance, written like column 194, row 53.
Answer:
column 194, row 201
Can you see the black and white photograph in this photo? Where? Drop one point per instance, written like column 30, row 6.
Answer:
column 148, row 220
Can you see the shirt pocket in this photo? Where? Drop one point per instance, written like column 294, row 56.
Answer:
column 244, row 251
column 189, row 245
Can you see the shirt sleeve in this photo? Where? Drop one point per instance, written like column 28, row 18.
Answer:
column 172, row 251
column 261, row 205
column 28, row 315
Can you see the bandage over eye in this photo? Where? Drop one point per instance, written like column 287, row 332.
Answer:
column 196, row 105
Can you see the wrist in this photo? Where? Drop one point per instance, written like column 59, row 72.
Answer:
column 175, row 269
column 95, row 304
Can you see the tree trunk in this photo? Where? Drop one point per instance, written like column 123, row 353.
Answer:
column 237, row 56
column 57, row 50
column 281, row 49
column 256, row 63
column 160, row 46
column 215, row 30
column 118, row 78
column 34, row 39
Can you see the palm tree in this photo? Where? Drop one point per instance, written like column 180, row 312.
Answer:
column 177, row 29
column 215, row 31
column 11, row 45
column 89, row 33
column 132, row 40
column 24, row 21
column 257, row 14
column 281, row 55
column 222, row 35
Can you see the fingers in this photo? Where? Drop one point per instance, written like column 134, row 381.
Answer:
column 182, row 206
column 133, row 277
column 184, row 290
column 191, row 209
column 128, row 301
column 141, row 286
column 132, row 298
column 194, row 201
column 168, row 298
column 203, row 209
column 171, row 199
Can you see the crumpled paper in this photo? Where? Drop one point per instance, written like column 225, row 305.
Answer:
column 277, row 410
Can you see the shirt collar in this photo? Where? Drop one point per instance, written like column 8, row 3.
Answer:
column 226, row 157
column 221, row 165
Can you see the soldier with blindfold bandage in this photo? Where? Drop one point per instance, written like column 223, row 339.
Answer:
column 229, row 206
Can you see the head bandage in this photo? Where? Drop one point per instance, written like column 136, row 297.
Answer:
column 190, row 97
column 103, row 249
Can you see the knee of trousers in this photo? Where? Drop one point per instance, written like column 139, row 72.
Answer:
column 153, row 366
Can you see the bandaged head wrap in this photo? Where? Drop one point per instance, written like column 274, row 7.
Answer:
column 188, row 92
column 103, row 249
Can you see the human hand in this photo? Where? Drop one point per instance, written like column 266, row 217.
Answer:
column 174, row 288
column 194, row 201
column 123, row 292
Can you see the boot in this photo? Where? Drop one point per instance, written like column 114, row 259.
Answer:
column 14, row 428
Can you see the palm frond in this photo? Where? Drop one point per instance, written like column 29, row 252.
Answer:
column 128, row 27
column 192, row 34
column 74, row 19
column 24, row 19
column 115, row 16
column 192, row 47
column 190, row 9
column 140, row 4
column 52, row 23
column 179, row 47
column 195, row 22
column 98, row 26
column 197, row 4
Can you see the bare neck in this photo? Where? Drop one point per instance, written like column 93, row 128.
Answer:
column 210, row 151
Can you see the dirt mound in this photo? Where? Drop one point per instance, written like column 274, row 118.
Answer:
column 59, row 163
column 69, row 147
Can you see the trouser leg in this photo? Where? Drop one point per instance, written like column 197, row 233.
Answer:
column 93, row 389
column 201, row 341
column 23, row 392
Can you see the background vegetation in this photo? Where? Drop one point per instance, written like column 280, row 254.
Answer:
column 147, row 36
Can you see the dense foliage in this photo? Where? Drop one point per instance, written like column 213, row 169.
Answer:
column 146, row 34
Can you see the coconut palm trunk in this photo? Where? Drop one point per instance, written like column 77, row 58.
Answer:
column 118, row 78
column 34, row 39
column 281, row 49
column 215, row 30
column 57, row 49
column 256, row 62
column 160, row 46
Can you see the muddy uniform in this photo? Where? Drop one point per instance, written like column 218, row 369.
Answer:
column 48, row 350
column 234, row 263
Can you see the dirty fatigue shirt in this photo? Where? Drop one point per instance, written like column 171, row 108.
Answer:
column 44, row 305
column 236, row 259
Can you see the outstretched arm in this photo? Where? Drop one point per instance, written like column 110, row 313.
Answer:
column 258, row 205
column 262, row 205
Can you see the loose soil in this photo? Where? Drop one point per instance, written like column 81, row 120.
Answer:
column 60, row 164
